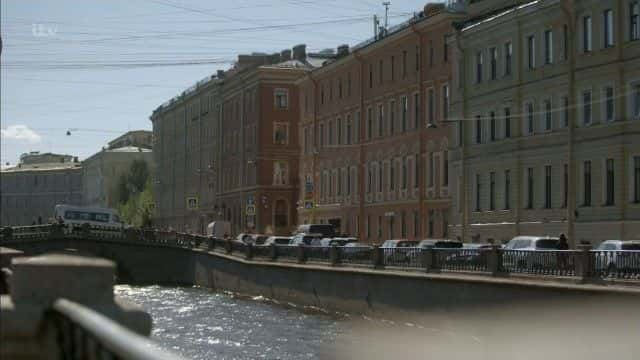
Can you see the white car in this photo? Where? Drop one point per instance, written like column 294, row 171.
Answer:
column 532, row 243
column 615, row 255
column 531, row 253
column 277, row 240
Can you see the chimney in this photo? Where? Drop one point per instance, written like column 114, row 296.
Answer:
column 285, row 55
column 343, row 50
column 300, row 52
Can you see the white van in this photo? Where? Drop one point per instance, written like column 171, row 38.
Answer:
column 218, row 229
column 78, row 215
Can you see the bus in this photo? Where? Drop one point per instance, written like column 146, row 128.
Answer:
column 78, row 215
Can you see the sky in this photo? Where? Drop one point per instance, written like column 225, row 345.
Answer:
column 98, row 68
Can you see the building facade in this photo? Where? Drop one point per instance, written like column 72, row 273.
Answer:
column 30, row 191
column 184, row 176
column 102, row 170
column 546, row 105
column 374, row 133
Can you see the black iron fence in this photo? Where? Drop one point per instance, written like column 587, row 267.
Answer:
column 584, row 264
column 82, row 333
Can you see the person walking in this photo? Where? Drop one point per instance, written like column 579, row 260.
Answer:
column 563, row 245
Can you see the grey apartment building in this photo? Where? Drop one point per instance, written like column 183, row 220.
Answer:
column 546, row 112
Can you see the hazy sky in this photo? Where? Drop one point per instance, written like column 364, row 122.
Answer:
column 101, row 67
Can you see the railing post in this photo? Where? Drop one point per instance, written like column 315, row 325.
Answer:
column 334, row 255
column 56, row 231
column 7, row 233
column 274, row 252
column 583, row 263
column 301, row 254
column 228, row 246
column 377, row 257
column 494, row 260
column 427, row 259
column 248, row 251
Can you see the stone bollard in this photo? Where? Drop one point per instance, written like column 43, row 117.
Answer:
column 377, row 257
column 334, row 255
column 27, row 327
column 248, row 251
column 274, row 252
column 427, row 256
column 302, row 254
column 584, row 266
column 493, row 258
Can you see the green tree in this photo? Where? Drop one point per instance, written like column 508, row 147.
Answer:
column 135, row 196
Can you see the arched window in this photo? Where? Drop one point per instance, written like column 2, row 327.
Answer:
column 281, row 216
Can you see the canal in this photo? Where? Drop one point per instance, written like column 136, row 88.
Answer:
column 201, row 324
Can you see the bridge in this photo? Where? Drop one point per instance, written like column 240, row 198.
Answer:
column 368, row 280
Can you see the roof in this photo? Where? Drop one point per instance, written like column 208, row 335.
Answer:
column 129, row 149
column 493, row 15
column 42, row 167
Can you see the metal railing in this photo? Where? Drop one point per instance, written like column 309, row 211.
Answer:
column 82, row 333
column 582, row 264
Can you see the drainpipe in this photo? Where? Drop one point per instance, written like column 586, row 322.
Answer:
column 622, row 106
column 361, row 178
column 422, row 138
column 314, row 153
column 463, row 148
column 568, row 8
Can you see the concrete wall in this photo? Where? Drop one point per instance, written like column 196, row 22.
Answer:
column 358, row 290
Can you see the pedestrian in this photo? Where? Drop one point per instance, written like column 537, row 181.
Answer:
column 563, row 245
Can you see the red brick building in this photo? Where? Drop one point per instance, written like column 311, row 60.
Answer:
column 374, row 135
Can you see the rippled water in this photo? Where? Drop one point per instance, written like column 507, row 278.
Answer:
column 201, row 324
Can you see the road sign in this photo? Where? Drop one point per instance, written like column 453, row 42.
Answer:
column 308, row 205
column 251, row 210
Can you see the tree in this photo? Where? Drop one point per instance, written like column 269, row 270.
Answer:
column 135, row 197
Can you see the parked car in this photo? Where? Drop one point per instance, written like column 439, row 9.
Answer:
column 618, row 255
column 245, row 238
column 304, row 238
column 399, row 252
column 259, row 239
column 530, row 254
column 440, row 244
column 277, row 240
column 356, row 251
column 326, row 230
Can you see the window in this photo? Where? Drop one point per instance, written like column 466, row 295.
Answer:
column 607, row 16
column 586, row 107
column 478, row 190
column 381, row 71
column 379, row 226
column 431, row 218
column 280, row 173
column 392, row 175
column 494, row 63
column 281, row 98
column 507, row 189
column 530, row 188
column 404, row 63
column 445, row 102
column 369, row 123
column 370, row 76
column 531, row 51
column 587, row 184
column 610, row 198
column 586, row 34
column 565, row 42
column 547, row 115
column 507, row 123
column 330, row 134
column 393, row 67
column 349, row 84
column 636, row 179
column 547, row 187
column 432, row 111
column 368, row 226
column 348, row 189
column 548, row 47
column 416, row 111
column 321, row 135
column 634, row 21
column 307, row 140
column 565, row 186
column 432, row 169
column 339, row 183
column 416, row 224
column 635, row 100
column 356, row 128
column 479, row 67
column 492, row 190
column 530, row 118
column 404, row 103
column 403, row 225
column 340, row 88
column 380, row 120
column 417, row 60
column 416, row 171
column 392, row 117
column 608, row 104
column 369, row 178
column 445, row 168
column 508, row 58
column 445, row 49
column 380, row 171
column 280, row 133
column 348, row 130
column 478, row 129
column 565, row 111
column 492, row 119
column 405, row 170
column 339, row 131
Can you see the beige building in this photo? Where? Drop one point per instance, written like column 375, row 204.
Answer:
column 546, row 105
column 30, row 191
column 102, row 170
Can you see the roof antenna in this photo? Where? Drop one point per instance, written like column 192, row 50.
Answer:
column 386, row 14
